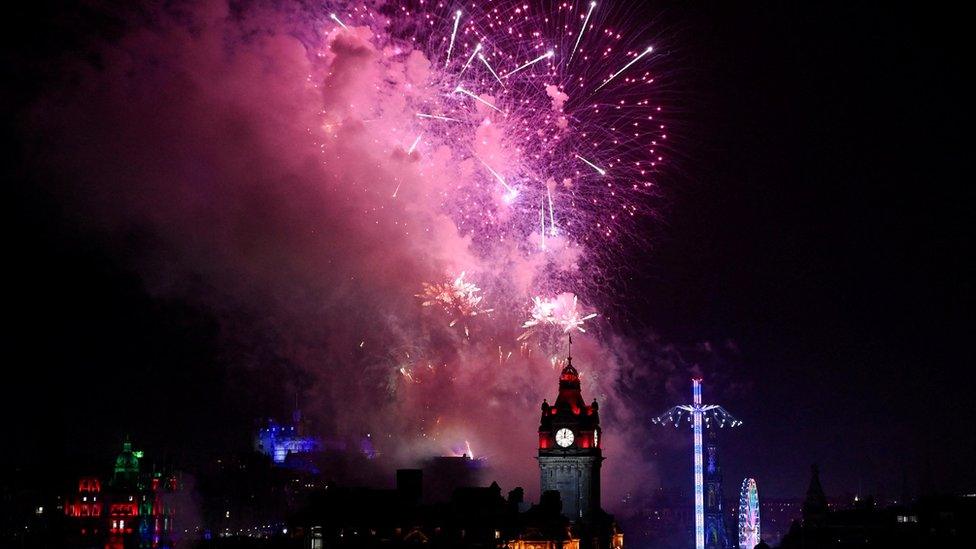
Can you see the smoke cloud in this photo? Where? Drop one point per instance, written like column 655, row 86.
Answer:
column 264, row 160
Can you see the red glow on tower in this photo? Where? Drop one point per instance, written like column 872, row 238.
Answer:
column 569, row 449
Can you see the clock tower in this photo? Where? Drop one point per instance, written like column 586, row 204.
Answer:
column 569, row 448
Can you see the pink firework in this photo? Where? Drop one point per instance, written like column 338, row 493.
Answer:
column 317, row 162
column 458, row 298
column 561, row 312
column 546, row 114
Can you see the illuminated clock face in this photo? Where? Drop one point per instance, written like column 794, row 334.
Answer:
column 564, row 437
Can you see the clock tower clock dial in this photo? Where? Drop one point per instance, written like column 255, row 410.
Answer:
column 569, row 448
column 564, row 437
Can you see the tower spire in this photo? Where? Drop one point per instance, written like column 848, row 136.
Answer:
column 569, row 351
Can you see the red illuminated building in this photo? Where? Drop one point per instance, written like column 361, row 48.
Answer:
column 569, row 448
column 132, row 509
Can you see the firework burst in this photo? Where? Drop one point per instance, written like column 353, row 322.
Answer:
column 458, row 298
column 548, row 112
column 561, row 312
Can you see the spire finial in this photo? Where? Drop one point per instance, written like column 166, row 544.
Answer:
column 569, row 352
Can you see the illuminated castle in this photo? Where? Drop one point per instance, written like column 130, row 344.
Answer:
column 279, row 441
column 569, row 448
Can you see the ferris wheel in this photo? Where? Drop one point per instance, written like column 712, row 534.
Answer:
column 748, row 514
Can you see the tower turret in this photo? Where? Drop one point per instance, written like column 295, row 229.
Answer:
column 125, row 474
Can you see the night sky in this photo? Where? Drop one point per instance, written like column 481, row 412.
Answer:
column 818, row 222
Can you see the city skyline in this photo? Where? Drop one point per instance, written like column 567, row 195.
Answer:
column 395, row 219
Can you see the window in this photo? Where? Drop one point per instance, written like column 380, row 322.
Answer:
column 907, row 518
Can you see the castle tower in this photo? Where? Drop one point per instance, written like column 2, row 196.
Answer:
column 569, row 448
